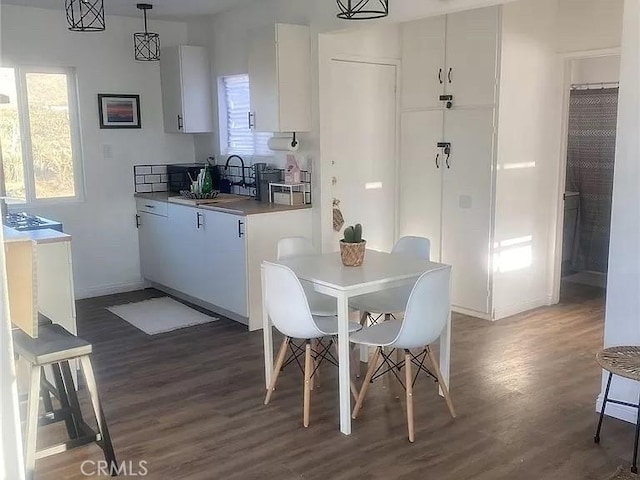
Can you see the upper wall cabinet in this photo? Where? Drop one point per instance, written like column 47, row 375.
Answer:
column 279, row 78
column 186, row 89
column 451, row 55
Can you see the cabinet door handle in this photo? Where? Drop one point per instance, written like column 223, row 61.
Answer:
column 240, row 232
column 440, row 76
column 180, row 124
column 251, row 124
column 437, row 160
column 198, row 222
column 137, row 221
column 447, row 161
column 449, row 74
column 150, row 206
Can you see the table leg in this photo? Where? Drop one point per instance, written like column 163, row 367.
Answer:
column 344, row 370
column 268, row 337
column 445, row 353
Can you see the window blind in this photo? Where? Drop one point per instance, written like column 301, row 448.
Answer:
column 241, row 139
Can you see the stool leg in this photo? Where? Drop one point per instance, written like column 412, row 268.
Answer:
column 46, row 396
column 107, row 447
column 634, row 466
column 32, row 422
column 596, row 439
column 70, row 420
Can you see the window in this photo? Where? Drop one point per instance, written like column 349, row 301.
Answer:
column 235, row 135
column 39, row 134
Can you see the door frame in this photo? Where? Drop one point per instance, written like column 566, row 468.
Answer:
column 558, row 236
column 326, row 142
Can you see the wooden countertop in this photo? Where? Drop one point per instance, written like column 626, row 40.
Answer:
column 38, row 236
column 245, row 206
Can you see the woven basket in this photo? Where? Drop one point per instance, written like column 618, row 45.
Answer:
column 352, row 253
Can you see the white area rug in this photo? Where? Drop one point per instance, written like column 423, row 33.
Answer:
column 160, row 315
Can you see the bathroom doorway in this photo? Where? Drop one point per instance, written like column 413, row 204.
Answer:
column 591, row 144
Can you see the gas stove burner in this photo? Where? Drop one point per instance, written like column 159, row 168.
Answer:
column 23, row 221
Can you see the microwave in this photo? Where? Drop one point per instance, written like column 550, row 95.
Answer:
column 178, row 176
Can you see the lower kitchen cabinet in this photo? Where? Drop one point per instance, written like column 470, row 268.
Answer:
column 212, row 258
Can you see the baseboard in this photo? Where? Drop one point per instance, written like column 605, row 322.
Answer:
column 101, row 291
column 621, row 412
column 471, row 313
column 500, row 313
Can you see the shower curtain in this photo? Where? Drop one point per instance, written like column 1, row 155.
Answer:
column 591, row 154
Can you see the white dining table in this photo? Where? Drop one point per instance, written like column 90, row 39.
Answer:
column 327, row 275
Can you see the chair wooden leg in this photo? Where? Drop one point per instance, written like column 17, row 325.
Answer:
column 365, row 383
column 308, row 370
column 443, row 385
column 354, row 389
column 32, row 422
column 276, row 368
column 364, row 316
column 92, row 387
column 408, row 380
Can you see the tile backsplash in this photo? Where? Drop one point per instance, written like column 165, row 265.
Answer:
column 150, row 178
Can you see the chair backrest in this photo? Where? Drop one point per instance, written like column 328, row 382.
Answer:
column 295, row 247
column 427, row 310
column 418, row 247
column 287, row 304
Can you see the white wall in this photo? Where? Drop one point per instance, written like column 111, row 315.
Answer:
column 622, row 321
column 589, row 24
column 529, row 130
column 105, row 240
column 605, row 69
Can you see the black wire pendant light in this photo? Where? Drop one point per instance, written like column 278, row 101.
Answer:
column 363, row 9
column 146, row 44
column 85, row 15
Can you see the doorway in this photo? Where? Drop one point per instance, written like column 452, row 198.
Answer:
column 363, row 130
column 588, row 192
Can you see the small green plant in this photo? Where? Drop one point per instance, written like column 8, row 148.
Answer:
column 353, row 234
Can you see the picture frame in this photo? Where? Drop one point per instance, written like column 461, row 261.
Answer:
column 119, row 111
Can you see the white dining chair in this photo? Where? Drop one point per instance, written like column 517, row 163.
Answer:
column 288, row 308
column 292, row 247
column 425, row 318
column 388, row 302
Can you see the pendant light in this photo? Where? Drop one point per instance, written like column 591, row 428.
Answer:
column 363, row 9
column 85, row 15
column 146, row 44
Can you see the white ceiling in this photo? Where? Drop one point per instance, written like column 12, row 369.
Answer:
column 163, row 9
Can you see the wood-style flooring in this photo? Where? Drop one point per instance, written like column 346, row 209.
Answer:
column 189, row 403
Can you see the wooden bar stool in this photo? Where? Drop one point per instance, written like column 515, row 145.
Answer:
column 57, row 347
column 624, row 362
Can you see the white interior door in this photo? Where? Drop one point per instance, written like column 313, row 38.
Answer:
column 421, row 167
column 423, row 52
column 466, row 205
column 363, row 147
column 472, row 55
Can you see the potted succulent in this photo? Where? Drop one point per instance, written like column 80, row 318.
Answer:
column 352, row 246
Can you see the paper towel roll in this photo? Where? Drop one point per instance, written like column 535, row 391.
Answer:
column 282, row 144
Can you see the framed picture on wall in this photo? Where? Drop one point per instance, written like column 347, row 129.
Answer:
column 119, row 111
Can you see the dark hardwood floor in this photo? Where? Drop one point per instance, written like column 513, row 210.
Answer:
column 189, row 403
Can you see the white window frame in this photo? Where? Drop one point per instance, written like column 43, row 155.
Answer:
column 223, row 123
column 25, row 136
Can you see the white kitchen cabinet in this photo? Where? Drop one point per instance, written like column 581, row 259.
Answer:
column 421, row 168
column 225, row 261
column 423, row 63
column 472, row 56
column 212, row 258
column 152, row 253
column 279, row 79
column 186, row 89
column 467, row 192
column 450, row 55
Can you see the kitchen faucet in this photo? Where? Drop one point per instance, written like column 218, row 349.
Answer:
column 243, row 183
